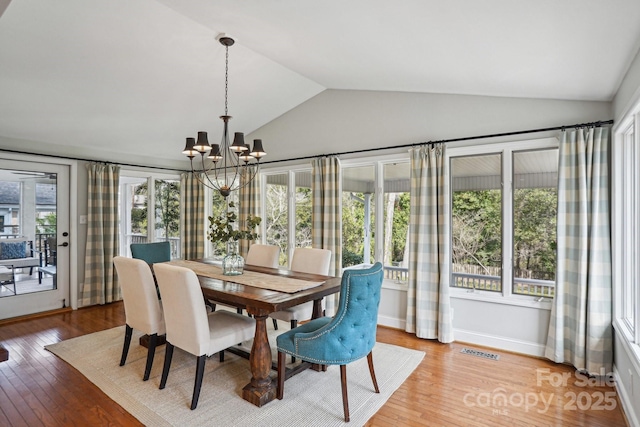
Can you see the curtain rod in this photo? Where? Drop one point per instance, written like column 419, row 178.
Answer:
column 466, row 138
column 395, row 147
column 56, row 156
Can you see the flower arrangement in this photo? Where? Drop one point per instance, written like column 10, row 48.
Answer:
column 222, row 228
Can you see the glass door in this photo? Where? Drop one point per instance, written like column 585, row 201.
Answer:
column 34, row 237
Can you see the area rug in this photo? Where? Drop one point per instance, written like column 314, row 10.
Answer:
column 311, row 398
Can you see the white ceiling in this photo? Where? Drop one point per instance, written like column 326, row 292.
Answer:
column 140, row 76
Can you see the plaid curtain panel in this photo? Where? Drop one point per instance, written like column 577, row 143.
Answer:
column 248, row 201
column 428, row 299
column 100, row 283
column 192, row 217
column 326, row 216
column 580, row 330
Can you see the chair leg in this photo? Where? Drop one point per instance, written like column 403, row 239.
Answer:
column 198, row 384
column 127, row 342
column 372, row 372
column 345, row 398
column 294, row 324
column 280, row 387
column 275, row 324
column 151, row 352
column 221, row 356
column 239, row 310
column 167, row 364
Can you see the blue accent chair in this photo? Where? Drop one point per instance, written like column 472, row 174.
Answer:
column 348, row 336
column 152, row 252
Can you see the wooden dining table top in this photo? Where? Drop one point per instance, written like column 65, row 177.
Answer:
column 265, row 301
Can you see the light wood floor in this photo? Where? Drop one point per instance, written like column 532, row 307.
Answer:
column 449, row 388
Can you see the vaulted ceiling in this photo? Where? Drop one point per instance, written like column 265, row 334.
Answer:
column 139, row 76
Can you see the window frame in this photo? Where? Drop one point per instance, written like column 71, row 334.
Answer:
column 291, row 172
column 150, row 177
column 625, row 231
column 506, row 149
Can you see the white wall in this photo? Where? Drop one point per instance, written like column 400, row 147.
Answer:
column 338, row 121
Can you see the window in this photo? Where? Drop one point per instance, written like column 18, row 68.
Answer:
column 503, row 218
column 277, row 214
column 303, row 225
column 396, row 200
column 378, row 189
column 535, row 211
column 358, row 215
column 476, row 218
column 137, row 193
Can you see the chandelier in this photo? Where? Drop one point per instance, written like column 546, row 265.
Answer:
column 225, row 165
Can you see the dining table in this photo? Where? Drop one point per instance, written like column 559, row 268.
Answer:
column 261, row 291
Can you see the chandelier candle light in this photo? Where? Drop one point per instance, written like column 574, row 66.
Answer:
column 223, row 163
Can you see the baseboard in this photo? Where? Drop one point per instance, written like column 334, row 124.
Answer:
column 35, row 315
column 508, row 344
column 392, row 322
column 623, row 396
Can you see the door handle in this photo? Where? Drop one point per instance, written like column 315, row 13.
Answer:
column 65, row 244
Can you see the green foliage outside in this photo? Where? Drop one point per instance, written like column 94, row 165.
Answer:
column 46, row 224
column 400, row 227
column 353, row 232
column 139, row 214
column 167, row 209
column 477, row 230
column 276, row 232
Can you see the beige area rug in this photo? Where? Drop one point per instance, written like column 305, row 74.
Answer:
column 311, row 398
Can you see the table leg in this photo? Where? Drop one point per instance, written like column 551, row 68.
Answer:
column 261, row 390
column 317, row 312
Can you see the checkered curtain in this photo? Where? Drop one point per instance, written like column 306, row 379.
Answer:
column 100, row 282
column 193, row 219
column 428, row 300
column 326, row 216
column 580, row 330
column 248, row 201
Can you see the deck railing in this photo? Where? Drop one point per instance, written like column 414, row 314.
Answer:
column 521, row 286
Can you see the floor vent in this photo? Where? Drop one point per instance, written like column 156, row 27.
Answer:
column 479, row 353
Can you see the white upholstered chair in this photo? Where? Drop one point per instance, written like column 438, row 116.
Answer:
column 263, row 255
column 304, row 260
column 142, row 309
column 190, row 328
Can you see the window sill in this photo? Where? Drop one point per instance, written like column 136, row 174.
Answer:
column 520, row 301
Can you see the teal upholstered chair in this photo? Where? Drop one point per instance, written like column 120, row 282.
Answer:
column 152, row 252
column 348, row 336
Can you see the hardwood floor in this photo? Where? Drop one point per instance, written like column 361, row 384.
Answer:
column 449, row 388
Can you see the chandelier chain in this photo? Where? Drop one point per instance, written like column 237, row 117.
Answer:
column 226, row 81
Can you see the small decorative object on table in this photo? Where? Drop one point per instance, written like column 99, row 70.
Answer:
column 223, row 229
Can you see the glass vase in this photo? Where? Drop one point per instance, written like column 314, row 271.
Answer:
column 233, row 262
